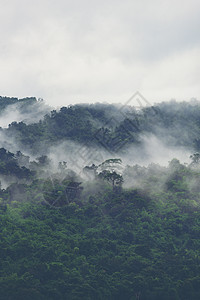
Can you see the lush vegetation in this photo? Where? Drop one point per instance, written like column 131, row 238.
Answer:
column 106, row 125
column 7, row 101
column 111, row 232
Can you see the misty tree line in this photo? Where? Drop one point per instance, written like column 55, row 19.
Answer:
column 60, row 241
column 17, row 168
column 175, row 124
column 112, row 231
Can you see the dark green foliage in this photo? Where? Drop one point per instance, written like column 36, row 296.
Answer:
column 9, row 166
column 104, row 125
column 137, row 238
column 6, row 101
column 112, row 177
column 60, row 193
column 128, row 245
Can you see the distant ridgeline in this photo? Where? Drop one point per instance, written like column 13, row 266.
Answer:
column 105, row 125
column 5, row 101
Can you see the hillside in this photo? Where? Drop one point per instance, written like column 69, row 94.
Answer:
column 86, row 210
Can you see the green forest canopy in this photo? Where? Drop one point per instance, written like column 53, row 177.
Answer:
column 130, row 233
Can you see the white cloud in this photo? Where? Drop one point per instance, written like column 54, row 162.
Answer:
column 73, row 51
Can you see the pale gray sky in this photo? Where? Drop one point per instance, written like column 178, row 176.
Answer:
column 88, row 51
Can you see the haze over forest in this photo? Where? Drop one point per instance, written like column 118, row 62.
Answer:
column 99, row 187
column 99, row 200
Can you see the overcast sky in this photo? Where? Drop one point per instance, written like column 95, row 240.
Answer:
column 91, row 51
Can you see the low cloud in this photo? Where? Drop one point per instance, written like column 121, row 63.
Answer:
column 68, row 52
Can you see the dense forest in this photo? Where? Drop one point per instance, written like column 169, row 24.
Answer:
column 86, row 210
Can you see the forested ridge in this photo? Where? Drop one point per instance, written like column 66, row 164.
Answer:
column 99, row 228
